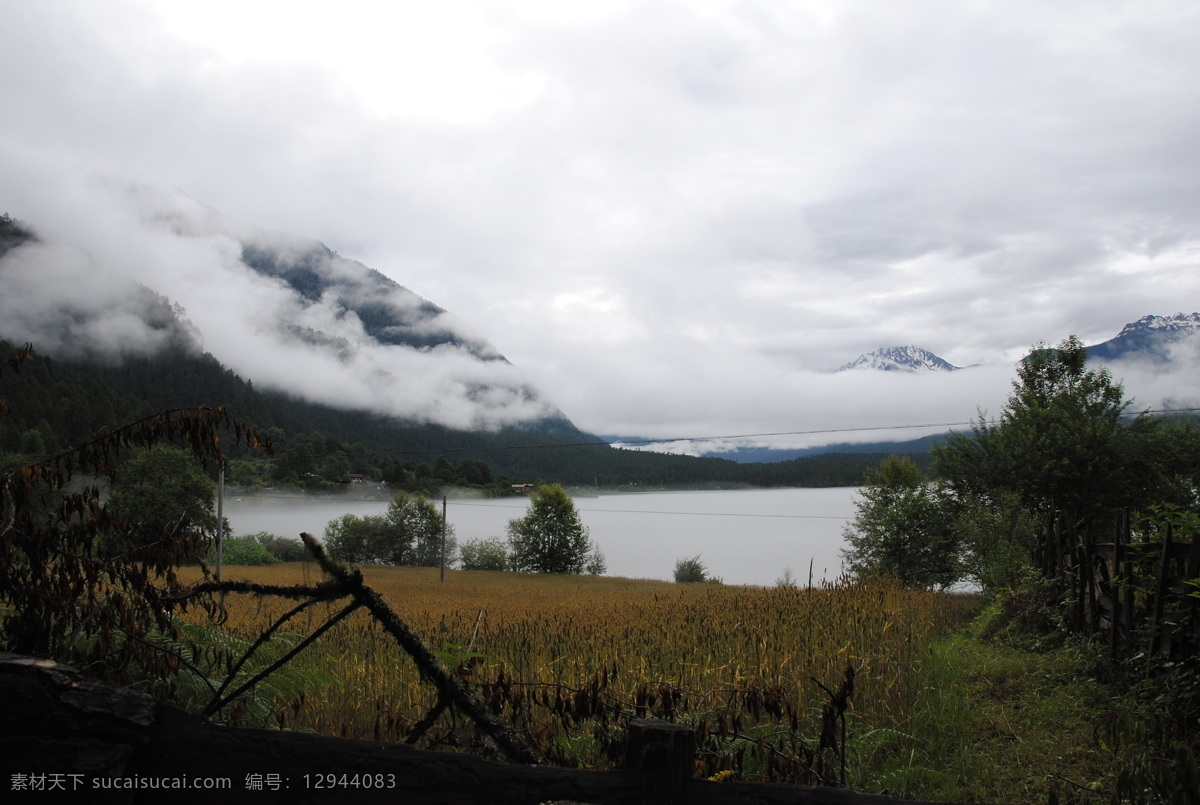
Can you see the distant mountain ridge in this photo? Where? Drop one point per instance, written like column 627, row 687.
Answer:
column 900, row 359
column 1149, row 338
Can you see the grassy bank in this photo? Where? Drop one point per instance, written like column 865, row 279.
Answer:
column 1019, row 718
column 994, row 723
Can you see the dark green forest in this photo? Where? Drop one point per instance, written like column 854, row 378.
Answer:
column 55, row 404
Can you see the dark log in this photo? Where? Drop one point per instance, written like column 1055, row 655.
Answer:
column 661, row 754
column 450, row 688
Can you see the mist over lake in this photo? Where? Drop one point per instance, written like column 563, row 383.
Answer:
column 743, row 536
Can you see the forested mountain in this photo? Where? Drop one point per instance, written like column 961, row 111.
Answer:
column 284, row 311
column 57, row 403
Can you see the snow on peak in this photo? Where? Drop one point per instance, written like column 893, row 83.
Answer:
column 900, row 359
column 1180, row 322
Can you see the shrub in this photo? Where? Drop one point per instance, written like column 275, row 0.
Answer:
column 690, row 571
column 243, row 551
column 282, row 548
column 484, row 554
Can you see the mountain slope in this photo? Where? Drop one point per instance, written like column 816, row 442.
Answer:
column 286, row 311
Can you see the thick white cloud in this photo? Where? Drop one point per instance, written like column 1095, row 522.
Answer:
column 671, row 216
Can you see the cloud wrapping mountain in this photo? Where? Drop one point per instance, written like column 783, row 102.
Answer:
column 82, row 291
column 288, row 314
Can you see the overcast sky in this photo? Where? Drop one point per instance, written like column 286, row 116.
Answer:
column 673, row 217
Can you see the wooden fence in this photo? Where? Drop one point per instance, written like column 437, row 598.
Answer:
column 1140, row 596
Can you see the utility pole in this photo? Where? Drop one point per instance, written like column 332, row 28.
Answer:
column 220, row 515
column 443, row 539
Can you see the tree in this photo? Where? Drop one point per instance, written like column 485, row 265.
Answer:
column 409, row 534
column 70, row 586
column 1062, row 443
column 902, row 529
column 362, row 540
column 475, row 471
column 417, row 524
column 595, row 564
column 551, row 537
column 1064, row 447
column 162, row 493
column 484, row 554
column 997, row 540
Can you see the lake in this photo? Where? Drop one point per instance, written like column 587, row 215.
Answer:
column 744, row 536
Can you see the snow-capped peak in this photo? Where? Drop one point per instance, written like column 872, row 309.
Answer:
column 900, row 359
column 1180, row 322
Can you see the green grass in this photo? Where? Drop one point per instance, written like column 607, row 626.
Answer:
column 994, row 723
column 1006, row 715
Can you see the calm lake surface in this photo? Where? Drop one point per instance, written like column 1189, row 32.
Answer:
column 744, row 536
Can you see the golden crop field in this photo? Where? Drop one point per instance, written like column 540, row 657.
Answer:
column 565, row 658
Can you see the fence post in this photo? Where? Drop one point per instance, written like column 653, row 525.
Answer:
column 1191, row 632
column 1118, row 558
column 1130, row 592
column 1160, row 595
column 662, row 754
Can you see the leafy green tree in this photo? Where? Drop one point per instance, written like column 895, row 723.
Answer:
column 1065, row 446
column 417, row 526
column 903, row 528
column 410, row 533
column 296, row 461
column 443, row 470
column 86, row 580
column 248, row 472
column 1063, row 442
column 475, row 471
column 362, row 540
column 162, row 493
column 484, row 554
column 595, row 564
column 336, row 468
column 551, row 537
column 997, row 540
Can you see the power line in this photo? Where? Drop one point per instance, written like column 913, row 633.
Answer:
column 673, row 440
column 620, row 442
column 676, row 513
